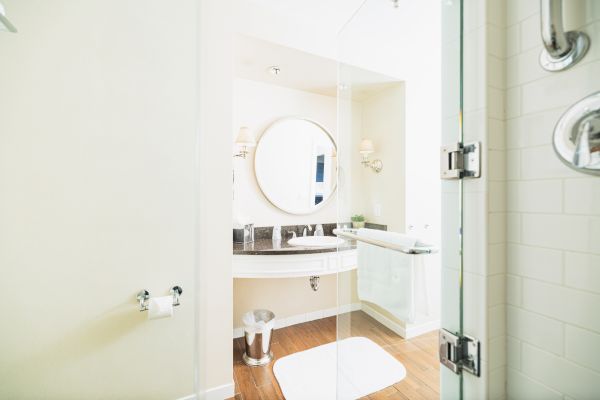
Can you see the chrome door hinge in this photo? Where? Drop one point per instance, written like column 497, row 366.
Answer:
column 460, row 161
column 460, row 353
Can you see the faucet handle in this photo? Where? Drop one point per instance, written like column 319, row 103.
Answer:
column 276, row 235
column 304, row 230
column 319, row 230
column 293, row 233
column 583, row 155
column 576, row 137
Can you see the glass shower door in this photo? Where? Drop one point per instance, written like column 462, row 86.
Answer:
column 400, row 99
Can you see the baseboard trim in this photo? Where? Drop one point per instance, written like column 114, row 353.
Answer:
column 419, row 329
column 220, row 392
column 311, row 316
column 217, row 393
column 190, row 397
column 407, row 332
column 385, row 321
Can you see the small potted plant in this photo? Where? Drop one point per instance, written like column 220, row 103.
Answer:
column 358, row 221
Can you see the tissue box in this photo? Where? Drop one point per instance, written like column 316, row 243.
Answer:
column 244, row 235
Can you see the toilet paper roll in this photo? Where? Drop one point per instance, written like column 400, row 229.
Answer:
column 160, row 307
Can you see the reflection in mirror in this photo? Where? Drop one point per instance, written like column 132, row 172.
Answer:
column 295, row 165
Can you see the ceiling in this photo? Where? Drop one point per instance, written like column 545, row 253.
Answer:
column 333, row 14
column 303, row 71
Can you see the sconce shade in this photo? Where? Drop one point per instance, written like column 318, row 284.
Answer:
column 366, row 146
column 245, row 137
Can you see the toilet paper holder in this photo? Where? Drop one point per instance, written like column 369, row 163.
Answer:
column 144, row 296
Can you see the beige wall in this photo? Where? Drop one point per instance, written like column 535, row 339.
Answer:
column 289, row 296
column 97, row 174
column 382, row 121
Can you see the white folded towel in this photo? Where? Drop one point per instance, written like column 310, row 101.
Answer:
column 387, row 277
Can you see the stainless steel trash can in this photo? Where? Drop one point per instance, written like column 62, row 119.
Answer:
column 258, row 333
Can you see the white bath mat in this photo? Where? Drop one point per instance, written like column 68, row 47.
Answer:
column 348, row 369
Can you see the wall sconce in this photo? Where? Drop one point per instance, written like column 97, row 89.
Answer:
column 244, row 140
column 366, row 148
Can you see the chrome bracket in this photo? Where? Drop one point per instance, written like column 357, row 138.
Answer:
column 580, row 43
column 460, row 353
column 314, row 282
column 176, row 292
column 458, row 161
column 142, row 297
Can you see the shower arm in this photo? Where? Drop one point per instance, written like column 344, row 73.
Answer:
column 562, row 49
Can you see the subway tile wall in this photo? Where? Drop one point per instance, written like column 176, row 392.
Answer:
column 552, row 282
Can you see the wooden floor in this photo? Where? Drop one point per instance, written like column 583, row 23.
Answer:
column 419, row 356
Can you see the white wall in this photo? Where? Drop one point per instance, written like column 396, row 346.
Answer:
column 257, row 105
column 97, row 167
column 553, row 275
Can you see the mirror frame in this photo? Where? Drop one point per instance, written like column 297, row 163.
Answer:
column 334, row 188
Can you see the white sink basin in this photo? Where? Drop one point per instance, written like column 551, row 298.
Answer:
column 316, row 241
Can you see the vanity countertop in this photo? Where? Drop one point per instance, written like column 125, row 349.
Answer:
column 269, row 247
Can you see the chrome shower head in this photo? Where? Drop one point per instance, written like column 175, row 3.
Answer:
column 5, row 24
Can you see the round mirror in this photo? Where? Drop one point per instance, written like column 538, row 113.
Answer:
column 295, row 165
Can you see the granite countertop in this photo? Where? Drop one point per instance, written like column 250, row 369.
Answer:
column 269, row 247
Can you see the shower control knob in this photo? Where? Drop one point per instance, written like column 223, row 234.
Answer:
column 577, row 136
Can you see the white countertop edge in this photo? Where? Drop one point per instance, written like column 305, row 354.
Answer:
column 250, row 265
column 289, row 274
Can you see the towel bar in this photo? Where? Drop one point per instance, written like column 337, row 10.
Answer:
column 390, row 246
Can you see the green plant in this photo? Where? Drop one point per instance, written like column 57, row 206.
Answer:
column 358, row 218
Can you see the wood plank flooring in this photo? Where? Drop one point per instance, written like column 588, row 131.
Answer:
column 419, row 356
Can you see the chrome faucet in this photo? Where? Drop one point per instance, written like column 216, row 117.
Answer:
column 309, row 229
column 293, row 233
